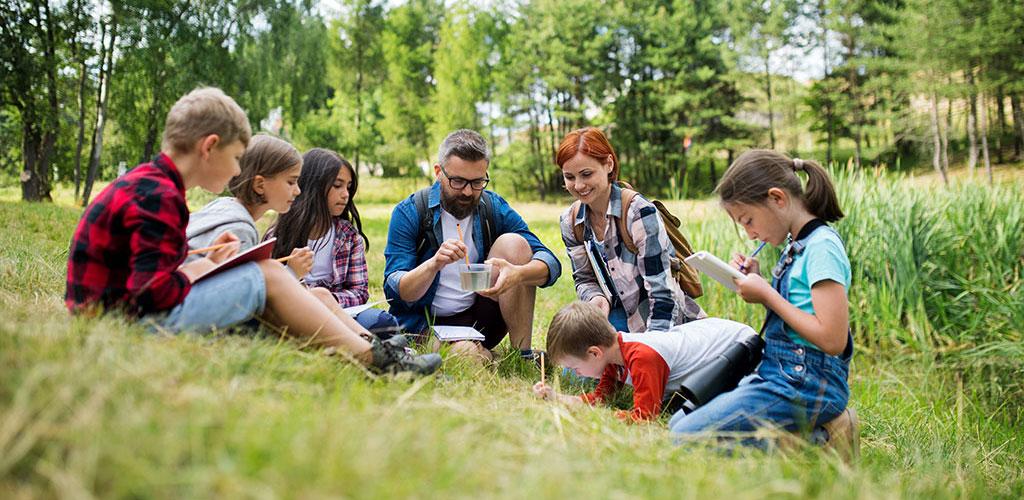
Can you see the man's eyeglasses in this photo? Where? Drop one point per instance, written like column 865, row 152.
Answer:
column 459, row 183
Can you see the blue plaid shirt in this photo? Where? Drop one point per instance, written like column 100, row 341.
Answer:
column 643, row 281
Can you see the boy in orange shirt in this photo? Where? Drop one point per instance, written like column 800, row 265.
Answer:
column 654, row 363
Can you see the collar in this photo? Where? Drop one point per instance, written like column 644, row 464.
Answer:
column 614, row 206
column 166, row 165
column 809, row 228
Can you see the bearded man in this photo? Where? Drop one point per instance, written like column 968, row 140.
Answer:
column 434, row 230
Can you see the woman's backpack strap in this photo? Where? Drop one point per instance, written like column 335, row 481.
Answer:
column 624, row 234
column 577, row 230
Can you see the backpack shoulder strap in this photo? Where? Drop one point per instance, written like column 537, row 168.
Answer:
column 426, row 231
column 487, row 222
column 577, row 231
column 624, row 234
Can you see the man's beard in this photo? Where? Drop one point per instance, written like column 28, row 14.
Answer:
column 459, row 206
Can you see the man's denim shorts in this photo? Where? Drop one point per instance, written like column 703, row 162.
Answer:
column 228, row 299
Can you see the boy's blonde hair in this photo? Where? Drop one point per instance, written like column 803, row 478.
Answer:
column 267, row 156
column 577, row 327
column 202, row 112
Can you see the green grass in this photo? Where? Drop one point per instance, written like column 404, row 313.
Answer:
column 97, row 407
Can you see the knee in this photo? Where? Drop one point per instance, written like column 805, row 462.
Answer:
column 471, row 350
column 513, row 248
column 274, row 273
column 322, row 293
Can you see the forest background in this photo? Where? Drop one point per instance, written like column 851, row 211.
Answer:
column 680, row 86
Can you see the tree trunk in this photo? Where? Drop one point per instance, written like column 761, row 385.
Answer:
column 983, row 129
column 83, row 69
column 106, row 71
column 713, row 173
column 944, row 130
column 1001, row 117
column 768, row 92
column 972, row 123
column 40, row 136
column 936, row 141
column 1018, row 126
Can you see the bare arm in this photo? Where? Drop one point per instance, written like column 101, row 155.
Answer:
column 415, row 283
column 827, row 328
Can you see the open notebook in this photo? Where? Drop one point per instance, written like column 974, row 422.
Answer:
column 446, row 333
column 714, row 267
column 257, row 253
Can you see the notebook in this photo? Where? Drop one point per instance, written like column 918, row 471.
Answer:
column 257, row 253
column 714, row 267
column 446, row 333
column 354, row 310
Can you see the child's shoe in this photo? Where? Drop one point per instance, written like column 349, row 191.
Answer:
column 844, row 434
column 390, row 356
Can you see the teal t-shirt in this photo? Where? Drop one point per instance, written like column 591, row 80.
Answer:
column 824, row 258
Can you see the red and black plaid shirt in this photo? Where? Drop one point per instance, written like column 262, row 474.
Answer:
column 129, row 243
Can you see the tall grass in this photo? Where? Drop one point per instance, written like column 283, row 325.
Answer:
column 97, row 407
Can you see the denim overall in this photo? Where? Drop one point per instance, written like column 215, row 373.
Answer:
column 796, row 387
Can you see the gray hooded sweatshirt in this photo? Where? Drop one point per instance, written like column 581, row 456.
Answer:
column 222, row 214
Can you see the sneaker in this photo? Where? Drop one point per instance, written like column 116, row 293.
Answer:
column 397, row 341
column 392, row 358
column 844, row 435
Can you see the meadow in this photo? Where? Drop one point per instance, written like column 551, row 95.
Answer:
column 98, row 407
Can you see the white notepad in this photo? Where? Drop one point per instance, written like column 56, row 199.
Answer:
column 714, row 267
column 446, row 333
column 354, row 310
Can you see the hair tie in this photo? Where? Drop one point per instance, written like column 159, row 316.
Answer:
column 798, row 164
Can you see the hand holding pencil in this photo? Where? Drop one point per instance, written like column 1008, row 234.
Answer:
column 748, row 265
column 223, row 248
column 300, row 261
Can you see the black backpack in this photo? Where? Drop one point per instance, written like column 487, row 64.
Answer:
column 426, row 235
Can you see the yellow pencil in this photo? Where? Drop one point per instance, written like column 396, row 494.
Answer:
column 458, row 228
column 209, row 248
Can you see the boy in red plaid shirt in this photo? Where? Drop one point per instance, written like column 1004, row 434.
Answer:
column 128, row 251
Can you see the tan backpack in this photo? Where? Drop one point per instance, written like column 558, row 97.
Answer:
column 685, row 275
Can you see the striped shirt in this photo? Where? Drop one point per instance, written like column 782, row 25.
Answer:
column 643, row 282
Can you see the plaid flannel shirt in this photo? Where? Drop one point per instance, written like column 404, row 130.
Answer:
column 350, row 284
column 643, row 279
column 129, row 243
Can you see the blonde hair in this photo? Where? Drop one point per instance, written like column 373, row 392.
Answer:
column 266, row 156
column 203, row 112
column 577, row 327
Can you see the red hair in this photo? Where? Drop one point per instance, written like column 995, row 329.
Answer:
column 591, row 142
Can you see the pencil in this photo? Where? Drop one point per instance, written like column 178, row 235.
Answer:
column 286, row 258
column 759, row 247
column 542, row 367
column 458, row 227
column 209, row 248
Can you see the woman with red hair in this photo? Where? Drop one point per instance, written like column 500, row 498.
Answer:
column 636, row 290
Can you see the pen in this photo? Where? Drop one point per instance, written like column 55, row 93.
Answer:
column 757, row 251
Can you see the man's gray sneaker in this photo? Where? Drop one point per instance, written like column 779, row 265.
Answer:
column 391, row 357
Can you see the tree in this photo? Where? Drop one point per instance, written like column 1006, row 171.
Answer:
column 29, row 37
column 407, row 45
column 760, row 29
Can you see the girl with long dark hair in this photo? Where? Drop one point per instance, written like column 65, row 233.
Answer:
column 325, row 219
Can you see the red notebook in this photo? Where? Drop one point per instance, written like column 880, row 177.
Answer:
column 257, row 253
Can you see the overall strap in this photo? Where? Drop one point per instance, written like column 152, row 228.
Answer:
column 794, row 248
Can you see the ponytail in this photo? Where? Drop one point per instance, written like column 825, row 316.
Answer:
column 756, row 171
column 819, row 195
